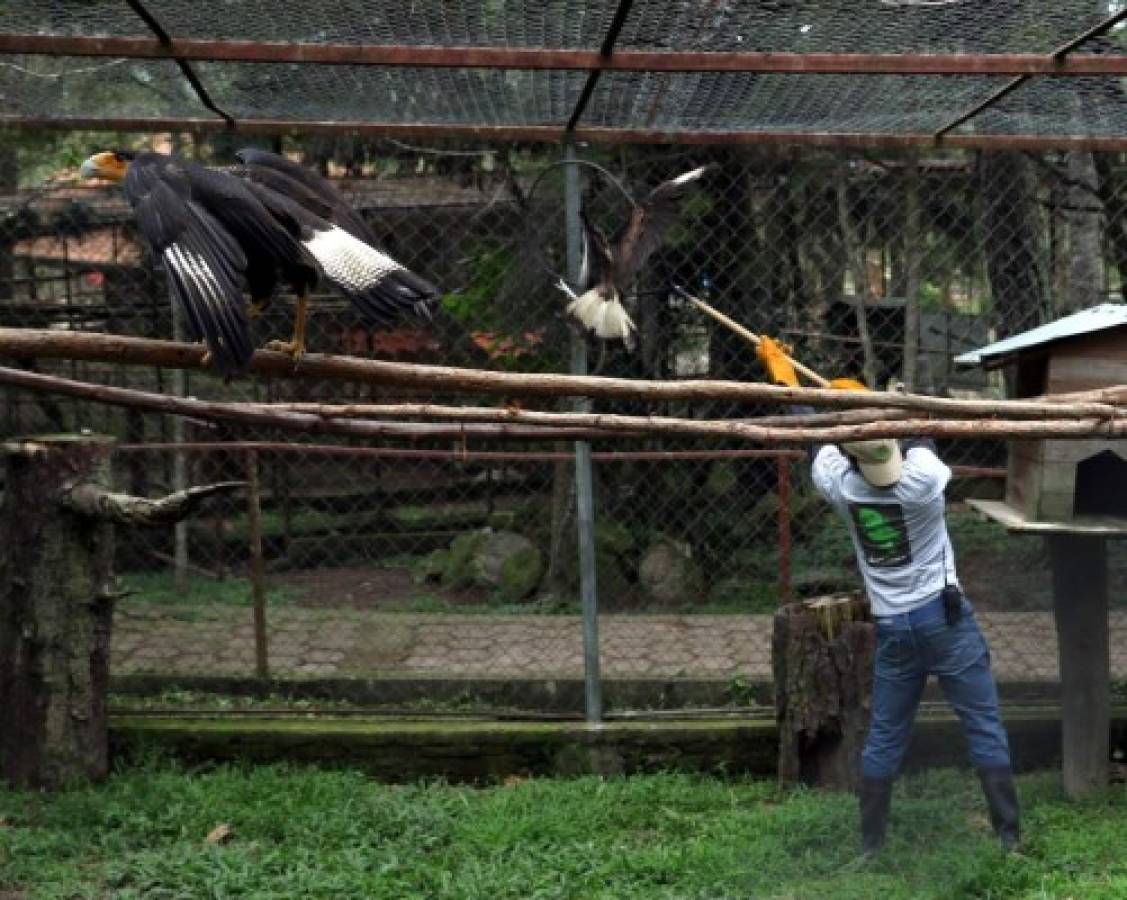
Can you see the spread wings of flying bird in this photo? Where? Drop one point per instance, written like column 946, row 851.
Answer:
column 608, row 267
column 222, row 233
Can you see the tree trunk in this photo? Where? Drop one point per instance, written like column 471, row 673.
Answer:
column 56, row 606
column 1086, row 261
column 855, row 255
column 913, row 244
column 1010, row 233
column 822, row 659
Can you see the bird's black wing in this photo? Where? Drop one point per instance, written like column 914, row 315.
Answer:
column 264, row 165
column 204, row 262
column 647, row 227
column 379, row 287
column 270, row 246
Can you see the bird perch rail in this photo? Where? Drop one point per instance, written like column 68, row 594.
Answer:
column 32, row 343
column 866, row 415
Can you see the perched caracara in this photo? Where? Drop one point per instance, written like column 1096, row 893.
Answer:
column 222, row 232
column 608, row 268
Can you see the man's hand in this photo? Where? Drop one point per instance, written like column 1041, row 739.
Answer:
column 774, row 357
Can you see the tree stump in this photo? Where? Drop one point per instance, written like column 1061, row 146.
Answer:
column 56, row 608
column 822, row 659
column 56, row 603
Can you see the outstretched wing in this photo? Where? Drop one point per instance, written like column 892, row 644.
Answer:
column 335, row 235
column 204, row 262
column 647, row 227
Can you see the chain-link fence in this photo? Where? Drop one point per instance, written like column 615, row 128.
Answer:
column 439, row 553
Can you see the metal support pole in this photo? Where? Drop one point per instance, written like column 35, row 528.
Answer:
column 584, row 487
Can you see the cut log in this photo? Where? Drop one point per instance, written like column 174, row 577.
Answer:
column 56, row 603
column 56, row 607
column 822, row 659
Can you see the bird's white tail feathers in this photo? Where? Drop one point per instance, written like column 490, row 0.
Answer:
column 607, row 318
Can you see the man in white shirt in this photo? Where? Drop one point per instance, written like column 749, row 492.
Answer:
column 891, row 498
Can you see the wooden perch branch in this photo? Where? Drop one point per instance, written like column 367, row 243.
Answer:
column 40, row 343
column 598, row 424
column 249, row 414
column 96, row 502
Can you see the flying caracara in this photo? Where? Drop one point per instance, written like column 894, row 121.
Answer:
column 608, row 268
column 222, row 232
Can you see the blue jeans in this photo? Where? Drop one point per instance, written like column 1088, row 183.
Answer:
column 911, row 646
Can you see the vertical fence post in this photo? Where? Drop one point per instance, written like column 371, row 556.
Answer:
column 179, row 463
column 257, row 566
column 584, row 487
column 785, row 589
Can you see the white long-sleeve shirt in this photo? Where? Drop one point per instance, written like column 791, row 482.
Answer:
column 899, row 532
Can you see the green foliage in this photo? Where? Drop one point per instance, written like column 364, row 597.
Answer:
column 300, row 832
column 488, row 262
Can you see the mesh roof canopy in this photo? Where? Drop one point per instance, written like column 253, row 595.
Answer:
column 692, row 70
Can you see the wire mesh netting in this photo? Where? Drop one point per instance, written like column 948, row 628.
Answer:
column 434, row 551
column 314, row 89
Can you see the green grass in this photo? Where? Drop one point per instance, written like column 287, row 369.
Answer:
column 160, row 588
column 336, row 834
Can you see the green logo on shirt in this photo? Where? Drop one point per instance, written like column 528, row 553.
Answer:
column 883, row 533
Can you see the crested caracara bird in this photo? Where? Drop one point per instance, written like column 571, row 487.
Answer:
column 608, row 267
column 268, row 220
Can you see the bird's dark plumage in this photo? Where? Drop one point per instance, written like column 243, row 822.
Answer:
column 341, row 241
column 222, row 233
column 609, row 267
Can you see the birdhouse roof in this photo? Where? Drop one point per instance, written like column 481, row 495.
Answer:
column 1087, row 321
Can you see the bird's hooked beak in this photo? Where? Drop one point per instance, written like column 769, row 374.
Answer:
column 107, row 164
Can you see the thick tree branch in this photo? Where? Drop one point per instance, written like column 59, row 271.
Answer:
column 96, row 502
column 32, row 343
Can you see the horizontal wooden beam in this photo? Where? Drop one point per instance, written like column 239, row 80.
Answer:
column 33, row 343
column 481, row 57
column 603, row 424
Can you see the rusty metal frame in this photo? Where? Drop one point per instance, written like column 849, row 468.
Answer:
column 430, row 56
column 1060, row 62
column 1059, row 55
column 592, row 134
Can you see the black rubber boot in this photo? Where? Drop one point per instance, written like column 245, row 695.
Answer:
column 1001, row 798
column 875, row 798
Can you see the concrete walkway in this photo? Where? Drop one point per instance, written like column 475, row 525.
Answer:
column 326, row 643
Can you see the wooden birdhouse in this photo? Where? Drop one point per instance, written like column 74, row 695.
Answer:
column 1074, row 485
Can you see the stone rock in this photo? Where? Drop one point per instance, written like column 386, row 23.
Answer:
column 504, row 561
column 669, row 575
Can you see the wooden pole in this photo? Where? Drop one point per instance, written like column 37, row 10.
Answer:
column 1080, row 606
column 257, row 564
column 599, row 423
column 754, row 339
column 26, row 343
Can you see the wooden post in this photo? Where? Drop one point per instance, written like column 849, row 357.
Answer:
column 56, row 609
column 822, row 661
column 56, row 602
column 257, row 565
column 1080, row 605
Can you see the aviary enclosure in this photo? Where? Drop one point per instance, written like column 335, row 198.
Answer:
column 438, row 516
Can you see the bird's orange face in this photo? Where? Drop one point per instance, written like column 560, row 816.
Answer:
column 109, row 164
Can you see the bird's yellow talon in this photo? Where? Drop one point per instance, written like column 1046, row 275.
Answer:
column 295, row 350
